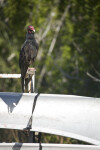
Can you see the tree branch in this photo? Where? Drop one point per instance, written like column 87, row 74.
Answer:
column 77, row 47
column 53, row 43
column 66, row 75
column 57, row 30
column 96, row 71
column 94, row 78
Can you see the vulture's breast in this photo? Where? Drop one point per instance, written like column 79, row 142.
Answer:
column 30, row 50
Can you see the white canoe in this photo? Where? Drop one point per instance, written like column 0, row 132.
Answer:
column 66, row 115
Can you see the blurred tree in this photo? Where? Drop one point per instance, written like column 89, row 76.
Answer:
column 69, row 40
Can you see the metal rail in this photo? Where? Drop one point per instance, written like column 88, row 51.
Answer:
column 31, row 146
column 30, row 73
column 10, row 75
column 66, row 115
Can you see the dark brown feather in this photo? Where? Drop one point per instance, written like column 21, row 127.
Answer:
column 28, row 53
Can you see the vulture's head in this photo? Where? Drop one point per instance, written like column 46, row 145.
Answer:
column 31, row 29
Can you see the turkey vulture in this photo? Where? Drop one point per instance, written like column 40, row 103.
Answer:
column 28, row 53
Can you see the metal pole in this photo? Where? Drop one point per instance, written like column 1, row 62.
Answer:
column 33, row 83
column 31, row 76
column 31, row 89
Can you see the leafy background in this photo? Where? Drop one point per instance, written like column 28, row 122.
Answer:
column 68, row 61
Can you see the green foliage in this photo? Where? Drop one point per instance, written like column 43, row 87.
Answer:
column 75, row 52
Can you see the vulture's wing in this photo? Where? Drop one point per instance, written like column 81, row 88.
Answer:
column 23, row 63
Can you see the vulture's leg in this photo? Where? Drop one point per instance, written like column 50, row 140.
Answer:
column 23, row 85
